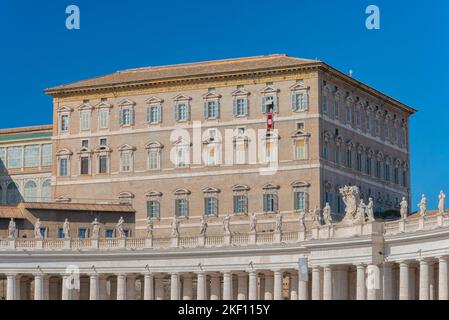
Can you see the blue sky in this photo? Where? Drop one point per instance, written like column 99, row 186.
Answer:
column 406, row 58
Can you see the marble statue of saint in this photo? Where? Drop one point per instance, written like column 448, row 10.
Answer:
column 423, row 206
column 369, row 208
column 252, row 222
column 95, row 229
column 404, row 208
column 204, row 226
column 150, row 227
column 12, row 229
column 278, row 226
column 350, row 197
column 441, row 202
column 66, row 229
column 175, row 227
column 226, row 222
column 316, row 216
column 327, row 214
column 37, row 229
column 119, row 228
column 302, row 220
column 361, row 211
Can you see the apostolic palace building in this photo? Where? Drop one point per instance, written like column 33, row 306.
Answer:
column 267, row 177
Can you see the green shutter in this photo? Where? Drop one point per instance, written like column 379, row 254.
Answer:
column 294, row 102
column 234, row 107
column 206, row 112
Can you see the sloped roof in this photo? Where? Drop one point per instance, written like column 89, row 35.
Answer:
column 122, row 208
column 11, row 212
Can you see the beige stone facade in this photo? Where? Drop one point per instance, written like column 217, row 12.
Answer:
column 336, row 112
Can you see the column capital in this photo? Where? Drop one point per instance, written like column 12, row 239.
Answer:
column 360, row 264
column 442, row 258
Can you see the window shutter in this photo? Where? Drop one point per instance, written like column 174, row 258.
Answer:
column 245, row 107
column 275, row 103
column 159, row 114
column 175, row 110
column 275, row 202
column 132, row 116
column 120, row 117
column 245, row 204
column 265, row 202
column 216, row 206
column 294, row 102
column 206, row 113
column 306, row 201
column 148, row 114
column 218, row 109
column 234, row 107
column 188, row 111
column 235, row 204
column 306, row 102
column 264, row 107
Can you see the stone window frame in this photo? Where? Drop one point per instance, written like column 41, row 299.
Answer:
column 378, row 164
column 240, row 190
column 326, row 92
column 273, row 189
column 338, row 145
column 182, row 99
column 103, row 150
column 125, row 197
column 102, row 106
column 85, row 153
column 369, row 153
column 338, row 97
column 64, row 111
column 36, row 185
column 155, row 196
column 349, row 109
column 269, row 91
column 154, row 102
column 211, row 192
column 300, row 186
column 350, row 147
column 126, row 104
column 301, row 135
column 271, row 137
column 359, row 107
column 182, row 144
column 387, row 168
column 215, row 143
column 182, row 194
column 211, row 97
column 129, row 150
column 85, row 108
column 240, row 93
column 396, row 175
column 360, row 157
column 327, row 138
column 154, row 146
column 63, row 154
column 369, row 119
column 300, row 88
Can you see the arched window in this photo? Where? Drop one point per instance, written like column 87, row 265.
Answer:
column 30, row 193
column 12, row 194
column 46, row 191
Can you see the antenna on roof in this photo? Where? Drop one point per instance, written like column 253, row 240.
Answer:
column 350, row 72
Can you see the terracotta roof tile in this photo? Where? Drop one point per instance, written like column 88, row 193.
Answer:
column 10, row 212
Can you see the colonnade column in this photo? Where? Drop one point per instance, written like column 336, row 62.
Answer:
column 269, row 286
column 423, row 280
column 242, row 285
column 404, row 284
column 11, row 286
column 227, row 285
column 201, row 286
column 121, row 287
column 293, row 285
column 187, row 287
column 215, row 287
column 278, row 284
column 174, row 286
column 327, row 283
column 38, row 287
column 316, row 283
column 159, row 287
column 94, row 289
column 443, row 293
column 387, row 281
column 148, row 286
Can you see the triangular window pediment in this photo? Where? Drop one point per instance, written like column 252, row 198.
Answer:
column 126, row 102
column 181, row 191
column 64, row 152
column 84, row 150
column 85, row 106
column 104, row 105
column 211, row 95
column 126, row 147
column 64, row 109
column 240, row 187
column 298, row 87
column 211, row 190
column 300, row 133
column 240, row 92
column 154, row 100
column 103, row 149
column 269, row 89
column 154, row 145
column 182, row 97
column 153, row 194
column 300, row 184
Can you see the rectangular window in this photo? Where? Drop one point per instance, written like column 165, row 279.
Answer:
column 126, row 117
column 270, row 202
column 299, row 101
column 240, row 152
column 104, row 118
column 153, row 209
column 181, row 112
column 43, row 231
column 349, row 158
column 300, row 149
column 404, row 178
column 396, row 175
column 325, row 102
column 240, row 204
column 85, row 144
column 299, row 200
column 368, row 166
column 85, row 120
column 84, row 165
column 337, row 155
column 329, row 196
column 103, row 164
column 270, row 151
column 336, row 109
column 109, row 233
column 32, row 156
column 240, row 107
column 348, row 115
column 46, row 155
column 153, row 159
column 378, row 169
column 82, row 233
column 269, row 100
column 325, row 151
column 211, row 109
column 358, row 119
column 387, row 172
column 64, row 122
column 15, row 157
column 103, row 142
column 181, row 207
column 181, row 157
column 63, row 167
column 126, row 161
column 60, row 233
column 359, row 162
column 210, row 206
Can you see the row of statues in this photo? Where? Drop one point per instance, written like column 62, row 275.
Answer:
column 422, row 205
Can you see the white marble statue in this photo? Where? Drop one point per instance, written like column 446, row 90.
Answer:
column 12, row 229
column 423, row 206
column 361, row 211
column 204, row 226
column 120, row 233
column 369, row 209
column 226, row 223
column 441, row 202
column 37, row 229
column 316, row 216
column 327, row 214
column 404, row 208
column 252, row 222
column 66, row 229
column 278, row 226
column 302, row 220
column 150, row 227
column 175, row 227
column 351, row 198
column 95, row 229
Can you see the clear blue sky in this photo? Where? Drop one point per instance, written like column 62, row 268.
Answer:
column 406, row 58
